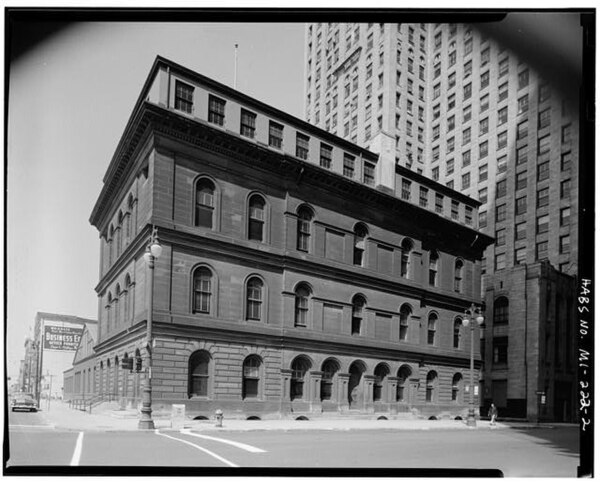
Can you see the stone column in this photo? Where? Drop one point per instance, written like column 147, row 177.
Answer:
column 368, row 380
column 285, row 401
column 392, row 388
column 315, row 391
column 342, row 391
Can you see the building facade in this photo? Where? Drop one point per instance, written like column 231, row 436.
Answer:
column 292, row 281
column 452, row 103
column 80, row 379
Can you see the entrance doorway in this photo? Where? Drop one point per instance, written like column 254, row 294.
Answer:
column 355, row 392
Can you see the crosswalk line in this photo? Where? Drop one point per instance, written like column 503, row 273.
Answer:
column 245, row 447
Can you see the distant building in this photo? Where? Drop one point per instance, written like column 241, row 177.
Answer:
column 56, row 338
column 79, row 379
column 452, row 103
column 290, row 282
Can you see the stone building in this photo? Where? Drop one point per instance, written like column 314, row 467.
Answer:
column 291, row 282
column 454, row 103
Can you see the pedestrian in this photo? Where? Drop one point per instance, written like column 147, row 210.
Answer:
column 493, row 414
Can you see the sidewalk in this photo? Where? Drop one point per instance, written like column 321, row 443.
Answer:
column 60, row 416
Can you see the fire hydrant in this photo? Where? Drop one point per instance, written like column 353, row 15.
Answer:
column 219, row 418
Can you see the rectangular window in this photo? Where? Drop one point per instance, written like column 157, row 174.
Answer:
column 503, row 92
column 565, row 244
column 501, row 188
column 466, row 136
column 466, row 180
column 467, row 113
column 566, row 134
column 544, row 93
column 439, row 203
column 521, row 155
column 502, row 139
column 485, row 79
column 482, row 219
column 325, row 158
column 522, row 130
column 436, row 91
column 451, row 123
column 248, row 124
column 565, row 189
column 500, row 213
column 502, row 165
column 483, row 149
column 523, row 78
column 369, row 174
column 454, row 210
column 485, row 56
column 500, row 261
column 501, row 237
column 468, row 68
column 302, row 146
column 184, row 97
column 467, row 91
column 435, row 173
column 450, row 145
column 468, row 215
column 485, row 102
column 452, row 80
column 521, row 181
column 500, row 350
column 216, row 110
column 521, row 205
column 449, row 166
column 502, row 116
column 521, row 231
column 466, row 158
column 405, row 193
column 483, row 126
column 423, row 196
column 483, row 195
column 483, row 173
column 565, row 161
column 503, row 67
column 542, row 198
column 523, row 104
column 275, row 135
column 349, row 165
column 541, row 250
column 544, row 118
column 542, row 224
column 544, row 144
column 543, row 171
column 565, row 216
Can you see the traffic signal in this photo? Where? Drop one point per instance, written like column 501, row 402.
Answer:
column 138, row 364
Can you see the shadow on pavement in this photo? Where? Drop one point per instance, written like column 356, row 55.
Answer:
column 563, row 440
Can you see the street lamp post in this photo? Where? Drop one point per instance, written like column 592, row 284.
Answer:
column 472, row 315
column 153, row 251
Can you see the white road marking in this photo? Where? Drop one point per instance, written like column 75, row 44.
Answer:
column 77, row 452
column 246, row 447
column 214, row 455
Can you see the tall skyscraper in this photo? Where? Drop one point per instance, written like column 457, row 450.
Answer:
column 455, row 104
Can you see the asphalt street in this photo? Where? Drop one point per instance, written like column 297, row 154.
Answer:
column 525, row 452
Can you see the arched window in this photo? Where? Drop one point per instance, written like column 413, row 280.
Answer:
column 431, row 328
column 358, row 305
column 405, row 313
column 329, row 370
column 381, row 373
column 202, row 286
column 251, row 377
column 458, row 275
column 456, row 335
column 407, row 246
column 126, row 298
column 300, row 366
column 403, row 374
column 198, row 374
column 128, row 216
column 254, row 299
column 111, row 237
column 205, row 203
column 301, row 305
column 304, row 225
column 360, row 233
column 501, row 311
column 431, row 387
column 456, row 385
column 120, row 234
column 118, row 295
column 256, row 218
column 433, row 267
column 108, row 312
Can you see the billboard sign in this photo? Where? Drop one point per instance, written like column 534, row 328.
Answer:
column 60, row 338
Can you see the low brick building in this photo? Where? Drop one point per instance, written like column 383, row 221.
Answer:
column 291, row 282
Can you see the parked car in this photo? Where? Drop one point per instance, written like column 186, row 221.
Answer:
column 24, row 402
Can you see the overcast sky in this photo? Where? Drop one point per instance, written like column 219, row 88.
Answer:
column 70, row 98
